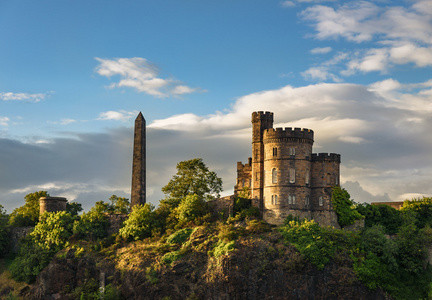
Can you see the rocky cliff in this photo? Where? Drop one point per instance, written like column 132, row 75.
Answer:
column 259, row 265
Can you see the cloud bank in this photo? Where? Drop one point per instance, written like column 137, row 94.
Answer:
column 381, row 130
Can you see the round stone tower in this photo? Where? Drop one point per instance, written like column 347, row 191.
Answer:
column 52, row 204
column 287, row 173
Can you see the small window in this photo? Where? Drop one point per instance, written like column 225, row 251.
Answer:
column 337, row 180
column 292, row 175
column 274, row 175
column 293, row 199
column 307, row 178
column 307, row 201
column 274, row 199
column 292, row 151
column 243, row 183
column 274, row 151
column 250, row 182
column 321, row 201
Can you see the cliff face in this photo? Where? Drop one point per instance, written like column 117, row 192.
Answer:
column 261, row 266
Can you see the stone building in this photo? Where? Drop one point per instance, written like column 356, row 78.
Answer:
column 52, row 204
column 284, row 177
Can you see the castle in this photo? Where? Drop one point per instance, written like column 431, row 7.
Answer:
column 284, row 177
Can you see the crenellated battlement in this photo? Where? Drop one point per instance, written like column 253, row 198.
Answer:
column 261, row 115
column 326, row 157
column 241, row 166
column 288, row 132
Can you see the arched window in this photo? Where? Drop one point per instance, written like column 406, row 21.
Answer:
column 274, row 175
column 274, row 151
column 307, row 201
column 292, row 151
column 321, row 201
column 337, row 180
column 293, row 199
column 274, row 199
column 307, row 177
column 292, row 175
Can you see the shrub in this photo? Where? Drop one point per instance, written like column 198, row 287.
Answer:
column 180, row 236
column 421, row 209
column 384, row 215
column 53, row 230
column 139, row 225
column 191, row 208
column 316, row 243
column 4, row 232
column 30, row 260
column 92, row 225
column 223, row 248
column 344, row 207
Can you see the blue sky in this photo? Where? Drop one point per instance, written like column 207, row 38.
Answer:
column 76, row 72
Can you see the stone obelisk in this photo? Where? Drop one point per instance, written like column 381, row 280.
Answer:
column 138, row 193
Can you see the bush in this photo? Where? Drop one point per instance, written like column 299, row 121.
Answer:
column 344, row 207
column 421, row 209
column 91, row 226
column 31, row 259
column 4, row 232
column 317, row 244
column 53, row 230
column 191, row 208
column 180, row 236
column 141, row 222
column 384, row 215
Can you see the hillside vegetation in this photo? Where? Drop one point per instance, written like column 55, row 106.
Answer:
column 183, row 250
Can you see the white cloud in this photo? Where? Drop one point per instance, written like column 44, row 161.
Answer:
column 401, row 35
column 140, row 74
column 9, row 96
column 322, row 50
column 4, row 121
column 121, row 115
column 67, row 121
column 319, row 73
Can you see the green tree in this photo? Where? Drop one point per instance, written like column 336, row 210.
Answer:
column 4, row 232
column 140, row 224
column 120, row 205
column 92, row 225
column 344, row 207
column 192, row 178
column 74, row 208
column 421, row 208
column 53, row 230
column 28, row 214
column 383, row 215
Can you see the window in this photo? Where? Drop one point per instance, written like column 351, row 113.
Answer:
column 321, row 201
column 243, row 183
column 337, row 180
column 274, row 175
column 250, row 182
column 292, row 151
column 274, row 199
column 307, row 201
column 292, row 175
column 274, row 151
column 291, row 199
column 307, row 177
column 256, row 176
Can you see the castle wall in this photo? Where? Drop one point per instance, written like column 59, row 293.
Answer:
column 244, row 177
column 287, row 153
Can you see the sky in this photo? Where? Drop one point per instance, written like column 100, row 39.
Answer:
column 74, row 75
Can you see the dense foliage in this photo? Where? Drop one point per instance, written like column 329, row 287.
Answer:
column 344, row 207
column 140, row 223
column 395, row 265
column 383, row 215
column 50, row 235
column 28, row 214
column 421, row 210
column 4, row 232
column 191, row 207
column 92, row 225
